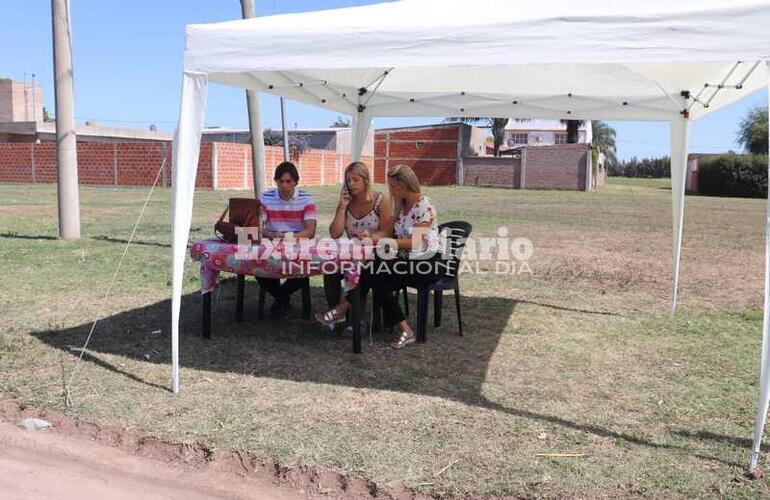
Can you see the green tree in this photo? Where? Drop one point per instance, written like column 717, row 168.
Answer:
column 341, row 122
column 752, row 132
column 604, row 141
column 46, row 117
column 497, row 125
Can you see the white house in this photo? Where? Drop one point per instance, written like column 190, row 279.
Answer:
column 534, row 132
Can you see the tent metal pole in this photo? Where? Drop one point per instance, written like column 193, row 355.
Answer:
column 285, row 131
column 764, row 382
column 187, row 140
column 679, row 137
column 361, row 124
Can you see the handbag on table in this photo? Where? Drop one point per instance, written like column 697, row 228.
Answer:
column 244, row 212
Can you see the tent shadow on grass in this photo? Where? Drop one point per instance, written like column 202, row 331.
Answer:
column 447, row 366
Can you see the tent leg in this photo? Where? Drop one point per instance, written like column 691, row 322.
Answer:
column 361, row 124
column 679, row 138
column 764, row 381
column 185, row 167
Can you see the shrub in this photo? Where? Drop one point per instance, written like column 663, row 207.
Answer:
column 646, row 167
column 732, row 174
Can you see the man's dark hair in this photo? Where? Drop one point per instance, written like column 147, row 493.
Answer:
column 286, row 167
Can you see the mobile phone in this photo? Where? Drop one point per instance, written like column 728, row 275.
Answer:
column 346, row 188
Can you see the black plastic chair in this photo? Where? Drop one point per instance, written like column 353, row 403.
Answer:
column 458, row 233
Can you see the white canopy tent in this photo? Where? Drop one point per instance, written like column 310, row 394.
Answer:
column 631, row 60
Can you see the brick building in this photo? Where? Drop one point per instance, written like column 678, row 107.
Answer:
column 20, row 101
column 435, row 152
column 453, row 154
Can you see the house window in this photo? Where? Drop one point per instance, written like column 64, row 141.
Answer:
column 561, row 139
column 517, row 139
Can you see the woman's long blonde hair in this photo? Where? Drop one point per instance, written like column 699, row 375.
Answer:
column 405, row 177
column 360, row 169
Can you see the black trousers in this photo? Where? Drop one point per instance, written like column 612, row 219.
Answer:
column 333, row 288
column 386, row 276
column 281, row 292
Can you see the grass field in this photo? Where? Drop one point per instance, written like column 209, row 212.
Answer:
column 579, row 356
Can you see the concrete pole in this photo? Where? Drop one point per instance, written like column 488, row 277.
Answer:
column 255, row 125
column 66, row 150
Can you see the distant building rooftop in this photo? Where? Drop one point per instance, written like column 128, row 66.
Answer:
column 46, row 131
column 328, row 138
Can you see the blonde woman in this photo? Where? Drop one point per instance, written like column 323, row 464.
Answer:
column 417, row 262
column 360, row 213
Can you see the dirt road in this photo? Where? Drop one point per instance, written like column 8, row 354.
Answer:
column 46, row 465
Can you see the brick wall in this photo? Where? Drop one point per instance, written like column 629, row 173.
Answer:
column 124, row 163
column 16, row 162
column 431, row 151
column 490, row 171
column 539, row 167
column 316, row 167
column 220, row 165
column 555, row 167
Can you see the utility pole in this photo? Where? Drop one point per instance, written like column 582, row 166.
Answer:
column 285, row 131
column 66, row 146
column 255, row 125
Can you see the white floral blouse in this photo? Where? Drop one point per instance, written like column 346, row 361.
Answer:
column 422, row 211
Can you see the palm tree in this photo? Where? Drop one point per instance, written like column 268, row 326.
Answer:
column 573, row 130
column 604, row 141
column 496, row 124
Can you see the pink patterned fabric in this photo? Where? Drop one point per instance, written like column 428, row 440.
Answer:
column 268, row 260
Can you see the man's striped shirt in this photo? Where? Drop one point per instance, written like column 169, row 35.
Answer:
column 286, row 215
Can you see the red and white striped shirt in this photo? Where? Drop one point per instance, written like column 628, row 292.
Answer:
column 286, row 215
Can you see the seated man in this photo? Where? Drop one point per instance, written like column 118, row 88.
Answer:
column 285, row 212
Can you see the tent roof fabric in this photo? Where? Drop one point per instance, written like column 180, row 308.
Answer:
column 556, row 59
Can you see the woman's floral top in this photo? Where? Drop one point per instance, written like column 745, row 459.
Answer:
column 422, row 211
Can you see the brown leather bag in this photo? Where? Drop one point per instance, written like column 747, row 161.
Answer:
column 244, row 212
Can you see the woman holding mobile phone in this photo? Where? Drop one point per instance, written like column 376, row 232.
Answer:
column 360, row 213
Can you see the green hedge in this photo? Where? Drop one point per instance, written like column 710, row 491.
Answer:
column 732, row 174
column 646, row 167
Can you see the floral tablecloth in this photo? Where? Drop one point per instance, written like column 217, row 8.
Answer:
column 278, row 260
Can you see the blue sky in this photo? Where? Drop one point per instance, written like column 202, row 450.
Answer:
column 127, row 62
